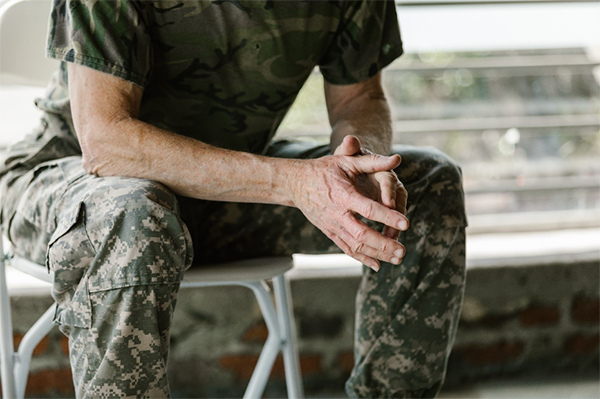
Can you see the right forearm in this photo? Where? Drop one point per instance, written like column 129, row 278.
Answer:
column 115, row 142
column 132, row 148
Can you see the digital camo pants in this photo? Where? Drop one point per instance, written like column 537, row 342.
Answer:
column 119, row 248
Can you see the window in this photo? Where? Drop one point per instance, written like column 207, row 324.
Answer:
column 518, row 111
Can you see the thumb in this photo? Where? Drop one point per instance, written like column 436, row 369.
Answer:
column 376, row 163
column 349, row 146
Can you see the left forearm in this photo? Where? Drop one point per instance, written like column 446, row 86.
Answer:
column 360, row 110
column 368, row 119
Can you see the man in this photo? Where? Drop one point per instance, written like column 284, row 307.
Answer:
column 155, row 153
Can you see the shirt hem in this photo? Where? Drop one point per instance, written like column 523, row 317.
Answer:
column 366, row 73
column 98, row 65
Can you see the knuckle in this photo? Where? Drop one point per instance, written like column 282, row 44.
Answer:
column 343, row 246
column 331, row 236
column 367, row 209
column 390, row 219
column 383, row 247
column 361, row 259
column 358, row 247
column 360, row 234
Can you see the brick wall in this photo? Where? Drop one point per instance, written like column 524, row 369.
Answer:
column 517, row 321
column 528, row 320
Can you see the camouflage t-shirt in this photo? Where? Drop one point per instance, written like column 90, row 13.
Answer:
column 223, row 72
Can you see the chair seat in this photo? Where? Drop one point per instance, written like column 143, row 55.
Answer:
column 33, row 269
column 244, row 270
column 250, row 273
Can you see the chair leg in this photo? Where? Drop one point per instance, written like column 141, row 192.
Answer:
column 263, row 368
column 9, row 389
column 30, row 341
column 291, row 360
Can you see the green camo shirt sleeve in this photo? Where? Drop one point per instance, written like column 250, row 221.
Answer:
column 108, row 36
column 367, row 39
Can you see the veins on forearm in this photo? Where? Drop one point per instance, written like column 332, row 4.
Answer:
column 368, row 119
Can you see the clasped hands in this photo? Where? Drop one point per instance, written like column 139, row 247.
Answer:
column 332, row 191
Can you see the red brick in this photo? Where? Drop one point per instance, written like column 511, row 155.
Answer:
column 50, row 381
column 311, row 364
column 586, row 310
column 257, row 333
column 243, row 365
column 582, row 344
column 346, row 361
column 494, row 320
column 40, row 349
column 64, row 344
column 278, row 370
column 498, row 352
column 539, row 316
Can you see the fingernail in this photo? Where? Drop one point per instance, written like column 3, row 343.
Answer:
column 402, row 225
column 395, row 261
column 375, row 267
column 399, row 253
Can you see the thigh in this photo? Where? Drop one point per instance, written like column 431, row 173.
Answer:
column 48, row 201
column 434, row 185
column 97, row 234
column 225, row 231
column 31, row 181
column 29, row 208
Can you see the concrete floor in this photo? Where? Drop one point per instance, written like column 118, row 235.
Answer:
column 556, row 388
column 588, row 388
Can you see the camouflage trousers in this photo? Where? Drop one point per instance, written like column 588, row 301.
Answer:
column 119, row 248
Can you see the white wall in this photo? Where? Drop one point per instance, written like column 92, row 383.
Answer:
column 500, row 27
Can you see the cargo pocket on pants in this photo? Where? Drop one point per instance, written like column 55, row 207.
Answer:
column 69, row 256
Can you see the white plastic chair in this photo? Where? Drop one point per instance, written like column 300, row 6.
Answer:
column 251, row 273
column 16, row 17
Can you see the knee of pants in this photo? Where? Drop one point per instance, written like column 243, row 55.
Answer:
column 115, row 233
column 434, row 184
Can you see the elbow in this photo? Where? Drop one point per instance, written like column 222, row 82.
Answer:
column 94, row 161
column 90, row 164
column 102, row 147
column 95, row 153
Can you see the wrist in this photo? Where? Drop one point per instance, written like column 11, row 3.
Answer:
column 286, row 177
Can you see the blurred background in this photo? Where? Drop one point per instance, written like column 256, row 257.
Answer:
column 510, row 90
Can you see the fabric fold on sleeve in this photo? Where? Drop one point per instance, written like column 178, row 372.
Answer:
column 367, row 40
column 108, row 36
